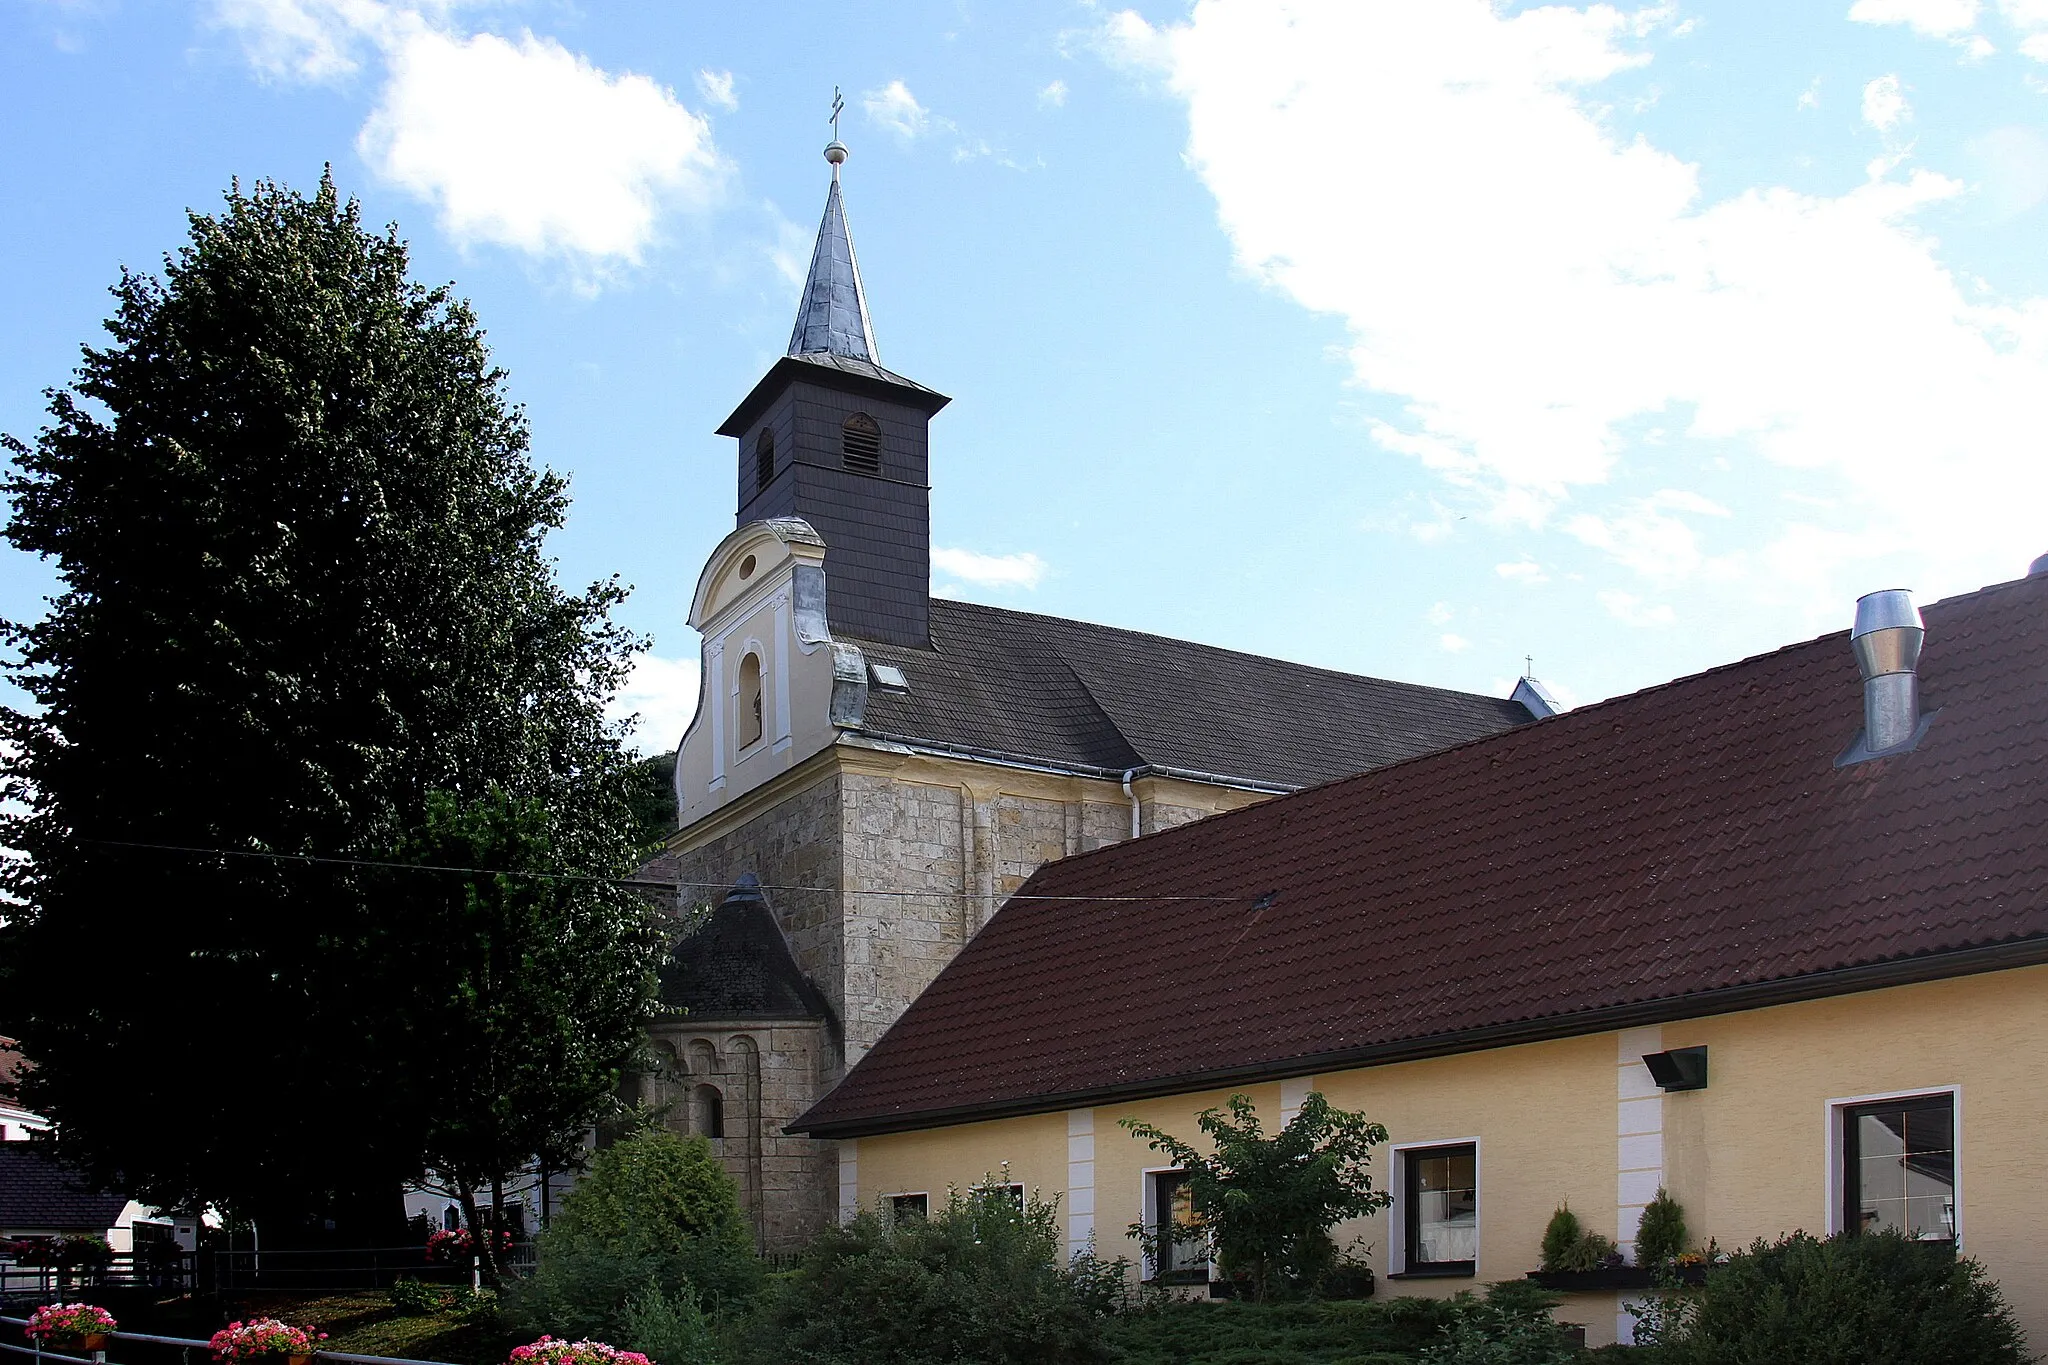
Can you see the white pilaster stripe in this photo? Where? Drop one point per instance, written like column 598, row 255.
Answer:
column 1638, row 1148
column 1292, row 1093
column 849, row 1179
column 1080, row 1180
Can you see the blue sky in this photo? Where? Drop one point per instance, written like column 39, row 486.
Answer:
column 1407, row 339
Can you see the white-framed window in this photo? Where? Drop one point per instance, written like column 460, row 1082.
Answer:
column 1167, row 1208
column 1433, row 1225
column 1895, row 1161
column 907, row 1205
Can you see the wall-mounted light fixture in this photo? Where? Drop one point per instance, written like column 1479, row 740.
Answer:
column 1683, row 1068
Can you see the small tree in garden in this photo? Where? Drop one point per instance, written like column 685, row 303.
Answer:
column 657, row 1215
column 1270, row 1202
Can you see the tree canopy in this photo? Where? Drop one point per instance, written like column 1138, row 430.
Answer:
column 304, row 598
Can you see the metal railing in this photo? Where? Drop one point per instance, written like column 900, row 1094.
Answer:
column 348, row 1268
column 185, row 1345
column 125, row 1270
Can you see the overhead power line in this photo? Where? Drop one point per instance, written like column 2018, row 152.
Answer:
column 636, row 883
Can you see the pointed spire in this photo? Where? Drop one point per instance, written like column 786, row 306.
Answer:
column 832, row 317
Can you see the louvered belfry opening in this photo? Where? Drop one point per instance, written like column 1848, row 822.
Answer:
column 764, row 460
column 860, row 444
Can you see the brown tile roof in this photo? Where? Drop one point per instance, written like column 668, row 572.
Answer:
column 37, row 1193
column 1685, row 849
column 1073, row 693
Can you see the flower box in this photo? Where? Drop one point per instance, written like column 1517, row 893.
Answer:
column 69, row 1327
column 264, row 1341
column 1613, row 1277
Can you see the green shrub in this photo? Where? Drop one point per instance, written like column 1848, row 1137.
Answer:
column 1512, row 1325
column 1875, row 1299
column 981, row 1280
column 1372, row 1332
column 1660, row 1236
column 415, row 1299
column 669, row 1328
column 655, row 1210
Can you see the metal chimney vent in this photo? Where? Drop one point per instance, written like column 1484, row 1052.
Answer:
column 1887, row 639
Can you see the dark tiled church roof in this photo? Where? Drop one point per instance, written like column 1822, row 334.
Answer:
column 1074, row 694
column 736, row 965
column 37, row 1193
column 1685, row 850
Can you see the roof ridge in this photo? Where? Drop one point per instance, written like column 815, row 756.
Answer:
column 951, row 602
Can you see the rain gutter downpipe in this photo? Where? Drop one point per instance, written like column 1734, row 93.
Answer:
column 1132, row 797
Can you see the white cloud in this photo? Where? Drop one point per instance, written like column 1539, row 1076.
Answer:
column 1810, row 97
column 989, row 571
column 1053, row 96
column 1440, row 614
column 1884, row 104
column 1453, row 644
column 515, row 142
column 1524, row 571
column 664, row 694
column 1631, row 610
column 1934, row 18
column 716, row 89
column 2010, row 168
column 895, row 109
column 1534, row 288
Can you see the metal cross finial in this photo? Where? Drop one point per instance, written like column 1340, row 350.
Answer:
column 1528, row 665
column 837, row 105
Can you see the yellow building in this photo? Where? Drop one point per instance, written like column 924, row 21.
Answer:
column 1773, row 937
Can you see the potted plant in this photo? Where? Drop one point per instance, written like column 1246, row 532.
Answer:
column 455, row 1246
column 1575, row 1258
column 71, row 1326
column 264, row 1341
column 554, row 1351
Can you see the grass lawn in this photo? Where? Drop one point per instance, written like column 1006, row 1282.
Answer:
column 365, row 1323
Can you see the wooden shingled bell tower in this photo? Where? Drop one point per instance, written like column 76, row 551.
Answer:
column 830, row 436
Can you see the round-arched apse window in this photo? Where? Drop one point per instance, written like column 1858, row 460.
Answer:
column 747, row 567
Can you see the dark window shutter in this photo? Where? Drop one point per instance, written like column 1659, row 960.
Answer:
column 860, row 444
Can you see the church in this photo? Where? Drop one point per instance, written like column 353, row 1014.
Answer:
column 872, row 771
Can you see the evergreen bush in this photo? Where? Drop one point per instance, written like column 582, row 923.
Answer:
column 1374, row 1332
column 981, row 1280
column 1560, row 1235
column 656, row 1214
column 1877, row 1298
column 1660, row 1236
column 669, row 1328
column 1512, row 1325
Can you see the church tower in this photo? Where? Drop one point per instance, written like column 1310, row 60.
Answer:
column 831, row 437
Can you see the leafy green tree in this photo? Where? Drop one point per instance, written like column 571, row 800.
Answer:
column 657, row 1215
column 523, row 979
column 299, row 540
column 1269, row 1202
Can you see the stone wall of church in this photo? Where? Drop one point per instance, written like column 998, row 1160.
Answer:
column 795, row 843
column 763, row 1075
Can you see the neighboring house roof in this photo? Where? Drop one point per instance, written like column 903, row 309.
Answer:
column 36, row 1192
column 1684, row 850
column 1041, row 688
column 736, row 965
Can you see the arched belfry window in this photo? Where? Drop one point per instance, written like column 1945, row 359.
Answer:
column 860, row 444
column 750, row 701
column 764, row 459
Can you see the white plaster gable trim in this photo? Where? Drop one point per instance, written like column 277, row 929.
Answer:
column 785, row 637
column 1080, row 1180
column 804, row 545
